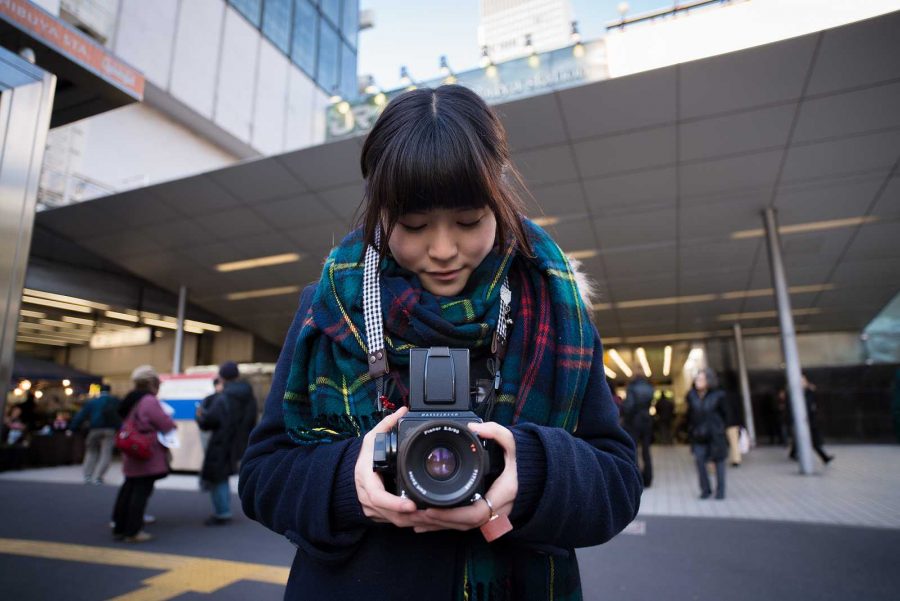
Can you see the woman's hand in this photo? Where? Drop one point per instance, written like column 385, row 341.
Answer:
column 502, row 493
column 377, row 503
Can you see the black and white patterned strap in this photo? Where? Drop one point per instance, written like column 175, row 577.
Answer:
column 378, row 365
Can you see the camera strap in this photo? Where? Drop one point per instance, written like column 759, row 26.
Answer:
column 377, row 356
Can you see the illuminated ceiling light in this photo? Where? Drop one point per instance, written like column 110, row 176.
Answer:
column 193, row 330
column 765, row 314
column 769, row 292
column 667, row 360
column 491, row 71
column 380, row 99
column 78, row 320
column 371, row 87
column 545, row 221
column 670, row 300
column 450, row 79
column 233, row 296
column 202, row 325
column 617, row 358
column 38, row 394
column 578, row 50
column 55, row 304
column 343, row 107
column 69, row 391
column 71, row 327
column 812, row 226
column 335, row 96
column 18, row 392
column 609, row 372
column 64, row 299
column 534, row 61
column 53, row 329
column 674, row 336
column 582, row 254
column 601, row 306
column 25, row 384
column 66, row 382
column 642, row 357
column 259, row 262
column 122, row 316
column 35, row 314
column 160, row 323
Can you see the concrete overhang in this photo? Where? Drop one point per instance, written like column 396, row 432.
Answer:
column 657, row 180
column 89, row 78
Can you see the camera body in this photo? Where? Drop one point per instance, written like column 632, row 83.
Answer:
column 431, row 456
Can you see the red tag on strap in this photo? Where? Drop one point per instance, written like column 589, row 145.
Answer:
column 496, row 527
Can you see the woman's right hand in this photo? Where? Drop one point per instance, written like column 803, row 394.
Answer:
column 378, row 504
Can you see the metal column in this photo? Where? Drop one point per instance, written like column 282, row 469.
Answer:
column 802, row 439
column 177, row 360
column 26, row 102
column 745, row 384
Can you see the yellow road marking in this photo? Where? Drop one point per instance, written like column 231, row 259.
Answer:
column 181, row 573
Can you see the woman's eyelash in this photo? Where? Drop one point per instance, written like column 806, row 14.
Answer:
column 470, row 223
column 413, row 228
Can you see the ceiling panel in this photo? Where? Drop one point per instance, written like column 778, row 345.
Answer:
column 556, row 200
column 77, row 222
column 857, row 54
column 753, row 171
column 818, row 201
column 263, row 245
column 197, row 195
column 180, row 233
column 869, row 109
column 120, row 244
column 862, row 273
column 294, row 211
column 574, row 235
column 888, row 204
column 318, row 238
column 735, row 133
column 644, row 286
column 345, row 200
column 518, row 118
column 717, row 256
column 876, row 241
column 258, row 180
column 648, row 189
column 232, row 223
column 722, row 278
column 625, row 230
column 649, row 262
column 643, row 149
column 137, row 208
column 806, row 275
column 847, row 155
column 546, row 165
column 719, row 219
column 624, row 103
column 740, row 80
column 325, row 166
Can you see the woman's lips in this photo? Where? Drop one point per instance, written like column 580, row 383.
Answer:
column 445, row 276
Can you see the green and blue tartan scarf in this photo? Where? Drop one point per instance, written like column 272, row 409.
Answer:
column 330, row 395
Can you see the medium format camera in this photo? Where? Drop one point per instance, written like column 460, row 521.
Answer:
column 431, row 456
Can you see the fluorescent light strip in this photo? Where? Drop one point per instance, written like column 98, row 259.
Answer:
column 41, row 341
column 64, row 299
column 667, row 360
column 55, row 304
column 62, row 324
column 233, row 296
column 86, row 322
column 160, row 323
column 812, row 226
column 672, row 300
column 259, row 262
column 642, row 357
column 56, row 335
column 545, row 221
column 27, row 313
column 765, row 314
column 609, row 373
column 122, row 316
column 704, row 298
column 202, row 325
column 53, row 329
column 582, row 254
column 617, row 358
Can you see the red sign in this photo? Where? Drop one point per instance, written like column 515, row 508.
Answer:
column 73, row 44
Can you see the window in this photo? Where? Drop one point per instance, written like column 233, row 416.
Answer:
column 329, row 57
column 332, row 10
column 276, row 23
column 303, row 46
column 348, row 72
column 251, row 9
column 350, row 21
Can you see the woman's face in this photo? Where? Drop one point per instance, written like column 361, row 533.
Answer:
column 443, row 246
column 700, row 381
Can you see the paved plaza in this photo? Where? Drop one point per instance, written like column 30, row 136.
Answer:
column 778, row 535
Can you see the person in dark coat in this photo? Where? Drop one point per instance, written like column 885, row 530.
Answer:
column 812, row 412
column 665, row 417
column 221, row 418
column 638, row 422
column 102, row 413
column 244, row 402
column 707, row 416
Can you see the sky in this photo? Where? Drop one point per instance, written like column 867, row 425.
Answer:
column 416, row 33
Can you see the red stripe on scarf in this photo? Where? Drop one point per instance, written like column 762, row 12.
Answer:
column 541, row 342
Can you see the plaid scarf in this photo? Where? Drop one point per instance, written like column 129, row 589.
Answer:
column 330, row 395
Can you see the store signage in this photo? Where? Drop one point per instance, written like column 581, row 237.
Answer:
column 506, row 81
column 73, row 44
column 130, row 337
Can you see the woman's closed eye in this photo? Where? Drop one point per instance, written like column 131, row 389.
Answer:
column 469, row 223
column 409, row 227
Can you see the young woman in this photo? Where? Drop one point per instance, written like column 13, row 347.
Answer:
column 442, row 214
column 707, row 415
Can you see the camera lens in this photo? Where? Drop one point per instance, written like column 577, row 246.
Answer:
column 441, row 463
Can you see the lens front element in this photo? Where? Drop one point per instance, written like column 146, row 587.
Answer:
column 441, row 463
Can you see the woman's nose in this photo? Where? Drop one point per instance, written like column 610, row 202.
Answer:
column 443, row 247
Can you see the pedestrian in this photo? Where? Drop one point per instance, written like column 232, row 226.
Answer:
column 143, row 407
column 706, row 423
column 665, row 417
column 639, row 423
column 734, row 421
column 812, row 413
column 102, row 415
column 449, row 252
column 244, row 402
column 222, row 420
column 205, row 405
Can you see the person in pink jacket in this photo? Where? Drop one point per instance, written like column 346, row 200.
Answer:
column 141, row 405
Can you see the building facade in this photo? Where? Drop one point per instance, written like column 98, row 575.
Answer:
column 511, row 29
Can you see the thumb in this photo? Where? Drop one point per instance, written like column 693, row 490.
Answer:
column 390, row 421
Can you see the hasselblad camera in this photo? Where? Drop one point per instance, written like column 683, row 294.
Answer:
column 431, row 456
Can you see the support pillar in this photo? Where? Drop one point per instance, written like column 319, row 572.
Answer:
column 745, row 384
column 802, row 438
column 178, row 359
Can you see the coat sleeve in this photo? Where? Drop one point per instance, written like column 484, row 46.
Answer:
column 306, row 493
column 581, row 489
column 152, row 412
column 212, row 417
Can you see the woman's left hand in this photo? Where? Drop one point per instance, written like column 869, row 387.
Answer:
column 502, row 493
